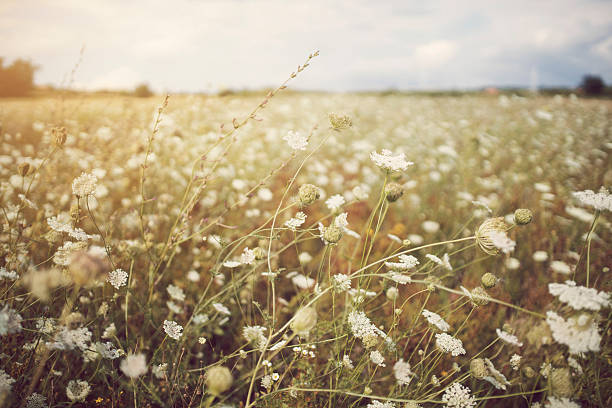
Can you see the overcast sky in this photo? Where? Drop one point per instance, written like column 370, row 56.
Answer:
column 202, row 45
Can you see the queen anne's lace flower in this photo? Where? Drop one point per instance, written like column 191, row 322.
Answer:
column 134, row 365
column 389, row 162
column 118, row 278
column 449, row 344
column 436, row 320
column 296, row 222
column 600, row 201
column 579, row 297
column 176, row 293
column 77, row 390
column 458, row 396
column 554, row 402
column 6, row 382
column 579, row 333
column 377, row 358
column 342, row 282
column 295, row 140
column 508, row 338
column 84, row 185
column 173, row 329
column 406, row 262
column 335, row 202
column 379, row 404
column 402, row 372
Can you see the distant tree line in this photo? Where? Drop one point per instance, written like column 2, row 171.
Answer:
column 16, row 79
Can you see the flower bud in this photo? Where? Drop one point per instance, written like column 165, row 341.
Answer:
column 332, row 234
column 24, row 169
column 218, row 380
column 478, row 368
column 523, row 216
column 259, row 253
column 393, row 192
column 304, row 320
column 488, row 280
column 483, row 238
column 59, row 135
column 529, row 372
column 479, row 297
column 308, row 194
column 392, row 293
column 339, row 122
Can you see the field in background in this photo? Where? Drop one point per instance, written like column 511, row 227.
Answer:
column 474, row 157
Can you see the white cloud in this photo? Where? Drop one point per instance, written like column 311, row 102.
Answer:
column 195, row 45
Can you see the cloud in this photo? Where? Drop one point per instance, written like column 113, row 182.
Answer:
column 207, row 44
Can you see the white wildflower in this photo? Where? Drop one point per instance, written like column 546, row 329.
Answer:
column 342, row 282
column 377, row 358
column 401, row 371
column 508, row 338
column 458, row 396
column 496, row 378
column 295, row 140
column 600, row 201
column 77, row 390
column 248, row 256
column 436, row 320
column 560, row 267
column 515, row 361
column 296, row 222
column 335, row 202
column 159, row 371
column 406, row 262
column 134, row 365
column 36, row 400
column 10, row 321
column 540, row 256
column 579, row 297
column 84, row 185
column 10, row 275
column 579, row 333
column 110, row 331
column 554, row 402
column 399, row 278
column 449, row 344
column 6, row 382
column 176, row 293
column 501, row 241
column 117, row 278
column 379, row 404
column 173, row 329
column 221, row 309
column 255, row 335
column 389, row 162
column 346, row 362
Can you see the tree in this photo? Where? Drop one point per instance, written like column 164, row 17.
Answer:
column 17, row 79
column 143, row 91
column 592, row 85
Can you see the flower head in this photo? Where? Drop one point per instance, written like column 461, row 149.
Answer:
column 389, row 162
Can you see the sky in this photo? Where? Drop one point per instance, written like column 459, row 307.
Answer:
column 206, row 45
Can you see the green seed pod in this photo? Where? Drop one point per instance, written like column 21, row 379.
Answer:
column 488, row 280
column 308, row 194
column 479, row 297
column 478, row 368
column 523, row 216
column 332, row 234
column 393, row 192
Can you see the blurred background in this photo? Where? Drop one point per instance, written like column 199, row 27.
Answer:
column 202, row 46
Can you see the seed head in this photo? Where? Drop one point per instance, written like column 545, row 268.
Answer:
column 393, row 192
column 218, row 380
column 483, row 234
column 308, row 194
column 523, row 216
column 478, row 368
column 332, row 234
column 24, row 169
column 304, row 320
column 488, row 280
column 59, row 135
column 339, row 122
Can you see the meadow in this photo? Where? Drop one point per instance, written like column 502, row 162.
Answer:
column 306, row 250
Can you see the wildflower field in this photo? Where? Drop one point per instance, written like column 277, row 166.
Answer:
column 305, row 250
